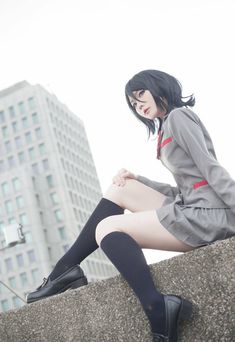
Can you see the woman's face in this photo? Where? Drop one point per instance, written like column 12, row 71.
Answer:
column 147, row 108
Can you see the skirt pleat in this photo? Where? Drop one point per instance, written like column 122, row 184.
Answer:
column 196, row 226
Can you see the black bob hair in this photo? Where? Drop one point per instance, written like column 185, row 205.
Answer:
column 161, row 85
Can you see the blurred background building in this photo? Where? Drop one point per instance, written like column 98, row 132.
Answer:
column 48, row 184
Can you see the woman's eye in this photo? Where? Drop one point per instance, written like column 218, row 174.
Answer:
column 141, row 93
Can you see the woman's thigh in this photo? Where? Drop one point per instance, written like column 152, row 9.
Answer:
column 135, row 196
column 145, row 228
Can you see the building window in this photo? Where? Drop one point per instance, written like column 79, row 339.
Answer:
column 35, row 275
column 38, row 200
column 38, row 133
column 81, row 218
column 75, row 213
column 21, row 157
column 2, row 243
column 9, row 206
column 25, row 122
column 5, row 189
column 34, row 183
column 51, row 116
column 45, row 234
column 5, row 132
column 50, row 253
column 28, row 237
column 20, row 260
column 12, row 282
column 45, row 164
column 11, row 162
column 17, row 302
column 54, row 198
column 50, row 181
column 18, row 142
column 12, row 220
column 21, row 107
column 62, row 233
column 63, row 164
column 67, row 180
column 76, row 199
column 23, row 219
column 5, row 305
column 23, row 279
column 2, row 166
column 35, row 118
column 15, row 127
column 42, row 149
column 16, row 184
column 41, row 217
column 9, row 264
column 20, row 202
column 11, row 111
column 2, row 117
column 1, row 227
column 31, row 103
column 58, row 215
column 58, row 145
column 31, row 153
column 35, row 168
column 8, row 146
column 71, row 196
column 28, row 138
column 31, row 256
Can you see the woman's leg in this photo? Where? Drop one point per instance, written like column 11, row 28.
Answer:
column 121, row 237
column 86, row 243
column 67, row 272
column 112, row 205
column 142, row 224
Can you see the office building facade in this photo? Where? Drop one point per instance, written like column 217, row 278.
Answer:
column 48, row 184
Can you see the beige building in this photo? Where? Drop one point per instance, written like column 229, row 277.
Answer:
column 48, row 183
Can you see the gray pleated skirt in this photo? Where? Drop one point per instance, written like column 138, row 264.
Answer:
column 196, row 226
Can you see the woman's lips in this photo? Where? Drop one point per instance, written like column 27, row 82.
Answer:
column 146, row 110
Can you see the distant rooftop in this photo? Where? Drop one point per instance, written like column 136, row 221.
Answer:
column 14, row 88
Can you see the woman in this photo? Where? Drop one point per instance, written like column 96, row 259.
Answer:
column 197, row 212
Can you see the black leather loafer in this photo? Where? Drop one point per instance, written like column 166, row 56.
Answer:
column 177, row 309
column 71, row 279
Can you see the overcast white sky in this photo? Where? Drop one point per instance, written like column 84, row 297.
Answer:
column 86, row 51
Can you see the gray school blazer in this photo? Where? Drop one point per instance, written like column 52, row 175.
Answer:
column 186, row 150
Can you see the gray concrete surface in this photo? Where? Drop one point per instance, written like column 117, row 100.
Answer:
column 109, row 311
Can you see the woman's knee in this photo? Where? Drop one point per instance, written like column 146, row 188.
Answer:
column 103, row 228
column 118, row 193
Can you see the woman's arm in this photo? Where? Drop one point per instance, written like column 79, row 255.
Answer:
column 186, row 131
column 164, row 188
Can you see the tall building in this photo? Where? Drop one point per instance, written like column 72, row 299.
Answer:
column 48, row 183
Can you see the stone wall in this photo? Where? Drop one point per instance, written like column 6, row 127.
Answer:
column 108, row 310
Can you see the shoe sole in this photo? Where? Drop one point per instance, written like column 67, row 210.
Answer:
column 74, row 285
column 78, row 283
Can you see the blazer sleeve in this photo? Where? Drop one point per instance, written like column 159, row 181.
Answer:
column 187, row 132
column 164, row 188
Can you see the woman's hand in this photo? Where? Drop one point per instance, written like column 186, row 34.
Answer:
column 122, row 175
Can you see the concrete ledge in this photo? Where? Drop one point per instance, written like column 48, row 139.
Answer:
column 109, row 311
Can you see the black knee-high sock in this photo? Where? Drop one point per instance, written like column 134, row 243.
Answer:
column 86, row 243
column 128, row 258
